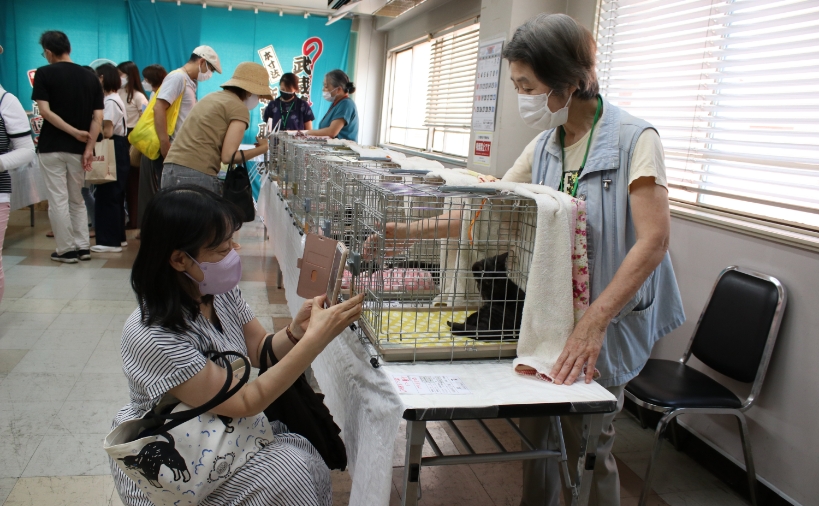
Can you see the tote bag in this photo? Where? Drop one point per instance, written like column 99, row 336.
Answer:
column 181, row 462
column 237, row 188
column 143, row 137
column 103, row 163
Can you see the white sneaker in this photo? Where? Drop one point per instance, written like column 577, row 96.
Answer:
column 124, row 244
column 106, row 249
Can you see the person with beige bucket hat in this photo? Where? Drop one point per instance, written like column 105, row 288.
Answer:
column 214, row 129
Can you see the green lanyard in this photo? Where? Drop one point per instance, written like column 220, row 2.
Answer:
column 284, row 123
column 588, row 145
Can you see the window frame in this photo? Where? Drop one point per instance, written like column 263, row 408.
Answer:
column 801, row 235
column 387, row 102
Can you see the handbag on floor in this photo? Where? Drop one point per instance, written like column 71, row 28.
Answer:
column 303, row 411
column 197, row 449
column 237, row 188
column 103, row 163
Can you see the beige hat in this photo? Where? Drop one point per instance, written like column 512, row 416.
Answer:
column 210, row 56
column 250, row 77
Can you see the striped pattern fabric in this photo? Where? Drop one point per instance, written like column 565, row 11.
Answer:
column 287, row 472
column 5, row 147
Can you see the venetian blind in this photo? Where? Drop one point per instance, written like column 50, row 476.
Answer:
column 453, row 60
column 733, row 89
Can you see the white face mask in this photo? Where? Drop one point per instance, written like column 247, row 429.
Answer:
column 326, row 95
column 147, row 86
column 124, row 81
column 251, row 102
column 204, row 76
column 534, row 109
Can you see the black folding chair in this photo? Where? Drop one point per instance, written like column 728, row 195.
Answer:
column 734, row 336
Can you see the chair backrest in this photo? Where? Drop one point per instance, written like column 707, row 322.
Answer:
column 738, row 327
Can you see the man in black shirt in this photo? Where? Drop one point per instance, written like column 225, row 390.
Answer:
column 70, row 99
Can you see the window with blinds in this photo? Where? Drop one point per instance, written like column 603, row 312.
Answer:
column 430, row 90
column 733, row 88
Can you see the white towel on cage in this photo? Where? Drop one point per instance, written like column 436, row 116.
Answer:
column 417, row 162
column 548, row 311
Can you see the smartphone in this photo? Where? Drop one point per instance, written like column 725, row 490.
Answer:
column 336, row 275
column 320, row 254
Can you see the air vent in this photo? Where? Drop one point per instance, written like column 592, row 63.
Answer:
column 394, row 8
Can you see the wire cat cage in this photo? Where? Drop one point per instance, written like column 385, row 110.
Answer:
column 456, row 293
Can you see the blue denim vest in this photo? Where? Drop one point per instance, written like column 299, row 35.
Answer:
column 657, row 307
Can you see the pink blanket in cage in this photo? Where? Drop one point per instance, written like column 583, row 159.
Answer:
column 393, row 280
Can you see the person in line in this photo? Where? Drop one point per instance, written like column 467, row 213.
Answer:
column 593, row 150
column 133, row 96
column 341, row 120
column 110, row 213
column 214, row 130
column 293, row 112
column 152, row 77
column 71, row 103
column 132, row 93
column 184, row 311
column 16, row 149
column 182, row 82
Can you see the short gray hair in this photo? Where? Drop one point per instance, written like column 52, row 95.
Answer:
column 560, row 51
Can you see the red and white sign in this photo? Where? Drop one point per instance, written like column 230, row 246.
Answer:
column 483, row 148
column 31, row 77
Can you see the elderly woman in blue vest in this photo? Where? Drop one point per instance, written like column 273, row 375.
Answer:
column 341, row 121
column 595, row 151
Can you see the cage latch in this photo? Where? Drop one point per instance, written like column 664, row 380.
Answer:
column 354, row 263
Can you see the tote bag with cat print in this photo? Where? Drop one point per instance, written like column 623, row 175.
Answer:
column 181, row 462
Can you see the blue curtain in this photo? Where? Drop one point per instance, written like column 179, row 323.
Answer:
column 163, row 33
column 96, row 29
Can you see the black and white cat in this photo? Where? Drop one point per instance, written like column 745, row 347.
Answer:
column 155, row 455
column 502, row 312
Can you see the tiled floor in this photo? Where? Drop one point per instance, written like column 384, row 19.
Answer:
column 61, row 384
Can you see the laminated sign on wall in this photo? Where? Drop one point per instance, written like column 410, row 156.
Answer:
column 487, row 77
column 483, row 148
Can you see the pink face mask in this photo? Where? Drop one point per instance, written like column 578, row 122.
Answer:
column 220, row 277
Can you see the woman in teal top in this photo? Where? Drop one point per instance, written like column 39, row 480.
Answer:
column 341, row 121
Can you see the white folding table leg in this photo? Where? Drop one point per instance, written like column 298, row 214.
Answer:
column 592, row 427
column 412, row 462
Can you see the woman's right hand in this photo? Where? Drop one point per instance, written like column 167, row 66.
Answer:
column 326, row 324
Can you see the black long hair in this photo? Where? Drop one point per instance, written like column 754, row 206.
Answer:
column 186, row 218
column 130, row 69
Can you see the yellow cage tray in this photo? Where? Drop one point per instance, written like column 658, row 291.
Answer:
column 423, row 334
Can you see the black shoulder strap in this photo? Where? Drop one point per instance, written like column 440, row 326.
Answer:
column 224, row 394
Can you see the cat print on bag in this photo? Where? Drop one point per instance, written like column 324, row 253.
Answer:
column 221, row 467
column 153, row 456
column 501, row 314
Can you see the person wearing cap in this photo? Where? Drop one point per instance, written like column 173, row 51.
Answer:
column 214, row 130
column 180, row 82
